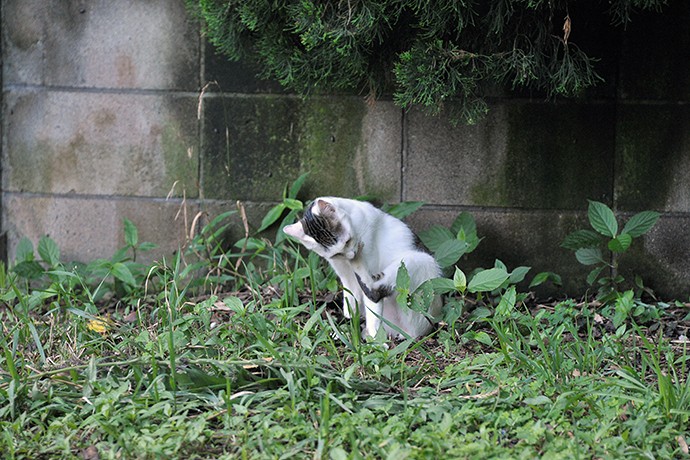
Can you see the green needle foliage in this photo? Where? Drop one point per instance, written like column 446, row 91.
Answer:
column 424, row 52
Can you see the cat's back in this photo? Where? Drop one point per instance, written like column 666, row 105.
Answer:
column 390, row 233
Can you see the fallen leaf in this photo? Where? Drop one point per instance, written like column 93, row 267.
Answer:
column 220, row 306
column 90, row 453
column 98, row 324
column 683, row 444
column 131, row 318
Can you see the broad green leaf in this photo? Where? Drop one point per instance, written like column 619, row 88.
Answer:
column 450, row 252
column 518, row 274
column 435, row 237
column 479, row 313
column 542, row 277
column 293, row 204
column 131, row 233
column 442, row 285
column 422, row 297
column 404, row 209
column 49, row 251
column 602, row 219
column 537, row 400
column 620, row 243
column 581, row 239
column 465, row 222
column 402, row 285
column 589, row 256
column 297, row 185
column 147, row 246
column 24, row 251
column 499, row 264
column 251, row 244
column 641, row 223
column 594, row 274
column 460, row 280
column 507, row 303
column 271, row 216
column 472, row 242
column 452, row 310
column 483, row 337
column 234, row 303
column 122, row 272
column 402, row 278
column 487, row 280
column 624, row 305
column 29, row 269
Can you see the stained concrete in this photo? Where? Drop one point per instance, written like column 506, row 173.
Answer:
column 100, row 143
column 86, row 229
column 254, row 146
column 102, row 44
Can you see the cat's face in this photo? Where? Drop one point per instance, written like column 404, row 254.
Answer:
column 322, row 229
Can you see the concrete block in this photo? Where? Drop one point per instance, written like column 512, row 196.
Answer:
column 249, row 149
column 126, row 44
column 254, row 146
column 100, row 143
column 654, row 61
column 525, row 155
column 351, row 148
column 530, row 237
column 89, row 228
column 653, row 158
column 662, row 258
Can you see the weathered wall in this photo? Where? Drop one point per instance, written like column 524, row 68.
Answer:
column 104, row 116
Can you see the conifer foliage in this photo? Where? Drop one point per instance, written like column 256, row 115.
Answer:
column 423, row 52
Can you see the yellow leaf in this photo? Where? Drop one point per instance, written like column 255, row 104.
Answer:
column 98, row 324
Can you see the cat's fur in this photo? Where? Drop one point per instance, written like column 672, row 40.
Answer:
column 365, row 247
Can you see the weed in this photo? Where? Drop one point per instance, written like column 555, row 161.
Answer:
column 236, row 350
column 588, row 244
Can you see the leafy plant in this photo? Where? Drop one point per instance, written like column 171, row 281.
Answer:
column 450, row 244
column 424, row 53
column 601, row 246
column 127, row 273
column 259, row 366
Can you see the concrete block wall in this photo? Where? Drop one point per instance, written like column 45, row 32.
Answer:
column 120, row 109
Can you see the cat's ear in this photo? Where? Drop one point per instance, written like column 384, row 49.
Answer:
column 326, row 209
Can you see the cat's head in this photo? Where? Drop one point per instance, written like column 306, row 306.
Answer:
column 324, row 229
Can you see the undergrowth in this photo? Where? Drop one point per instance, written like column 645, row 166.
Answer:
column 240, row 352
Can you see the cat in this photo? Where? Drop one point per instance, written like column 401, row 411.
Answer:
column 365, row 246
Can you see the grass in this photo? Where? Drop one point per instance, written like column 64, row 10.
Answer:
column 241, row 353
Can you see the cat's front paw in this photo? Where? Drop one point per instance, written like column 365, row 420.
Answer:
column 376, row 292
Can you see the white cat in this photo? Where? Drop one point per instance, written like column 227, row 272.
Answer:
column 365, row 246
